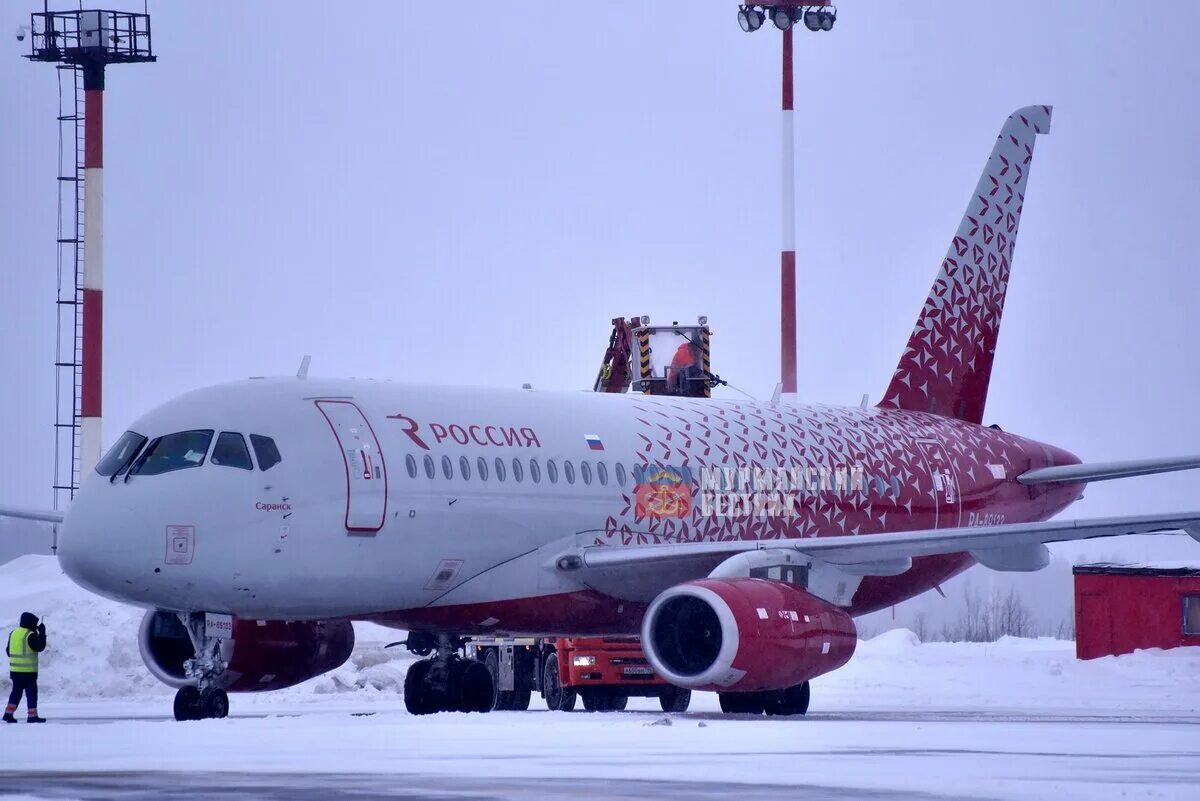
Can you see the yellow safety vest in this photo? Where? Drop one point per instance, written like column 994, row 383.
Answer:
column 21, row 658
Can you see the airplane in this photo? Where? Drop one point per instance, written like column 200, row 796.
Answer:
column 255, row 520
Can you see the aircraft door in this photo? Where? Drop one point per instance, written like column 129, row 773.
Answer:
column 366, row 473
column 947, row 504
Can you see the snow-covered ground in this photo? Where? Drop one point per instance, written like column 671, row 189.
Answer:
column 1013, row 719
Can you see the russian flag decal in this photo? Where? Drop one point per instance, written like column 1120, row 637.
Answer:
column 594, row 442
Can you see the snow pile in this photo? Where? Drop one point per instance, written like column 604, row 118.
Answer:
column 93, row 651
column 897, row 671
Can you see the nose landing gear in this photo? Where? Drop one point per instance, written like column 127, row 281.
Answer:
column 448, row 682
column 204, row 698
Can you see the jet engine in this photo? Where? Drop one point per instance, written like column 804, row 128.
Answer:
column 744, row 634
column 262, row 655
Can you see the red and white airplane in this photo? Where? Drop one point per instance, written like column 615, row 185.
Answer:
column 255, row 520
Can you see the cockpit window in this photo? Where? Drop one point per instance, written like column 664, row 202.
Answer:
column 174, row 452
column 230, row 451
column 265, row 451
column 121, row 454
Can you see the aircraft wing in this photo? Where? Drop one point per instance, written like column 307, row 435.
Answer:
column 1012, row 547
column 43, row 515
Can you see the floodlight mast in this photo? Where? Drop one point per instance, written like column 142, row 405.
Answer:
column 86, row 41
column 785, row 14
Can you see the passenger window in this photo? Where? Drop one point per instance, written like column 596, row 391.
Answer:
column 482, row 466
column 411, row 463
column 585, row 472
column 620, row 474
column 174, row 452
column 464, row 468
column 499, row 469
column 602, row 473
column 535, row 472
column 552, row 471
column 518, row 471
column 447, row 467
column 569, row 471
column 231, row 451
column 430, row 470
column 121, row 454
column 265, row 451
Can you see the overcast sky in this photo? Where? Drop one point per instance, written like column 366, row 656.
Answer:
column 469, row 193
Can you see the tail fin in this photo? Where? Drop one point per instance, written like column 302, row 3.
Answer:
column 947, row 364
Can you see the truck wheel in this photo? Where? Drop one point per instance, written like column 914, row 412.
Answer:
column 675, row 699
column 520, row 700
column 558, row 698
column 603, row 701
column 594, row 700
column 500, row 700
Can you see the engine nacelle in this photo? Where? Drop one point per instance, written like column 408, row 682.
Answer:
column 744, row 634
column 262, row 655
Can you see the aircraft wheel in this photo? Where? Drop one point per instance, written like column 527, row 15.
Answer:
column 418, row 699
column 187, row 703
column 557, row 698
column 741, row 703
column 476, row 690
column 214, row 703
column 795, row 700
column 501, row 699
column 675, row 699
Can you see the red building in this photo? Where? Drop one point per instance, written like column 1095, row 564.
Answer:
column 1120, row 608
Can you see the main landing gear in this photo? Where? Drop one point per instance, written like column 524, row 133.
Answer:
column 791, row 701
column 446, row 682
column 204, row 698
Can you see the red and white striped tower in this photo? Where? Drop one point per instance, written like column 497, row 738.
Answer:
column 92, row 357
column 88, row 40
column 815, row 15
column 787, row 258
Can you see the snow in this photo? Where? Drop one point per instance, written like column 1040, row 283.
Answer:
column 1015, row 718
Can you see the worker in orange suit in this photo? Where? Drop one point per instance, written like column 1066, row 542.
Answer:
column 684, row 366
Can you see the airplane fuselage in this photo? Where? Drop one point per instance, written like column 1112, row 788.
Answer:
column 444, row 508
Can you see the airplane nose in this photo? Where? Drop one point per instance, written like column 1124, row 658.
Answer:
column 93, row 543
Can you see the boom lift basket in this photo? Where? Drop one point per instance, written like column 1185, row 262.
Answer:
column 658, row 359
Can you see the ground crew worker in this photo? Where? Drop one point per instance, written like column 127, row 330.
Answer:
column 24, row 644
column 683, row 368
